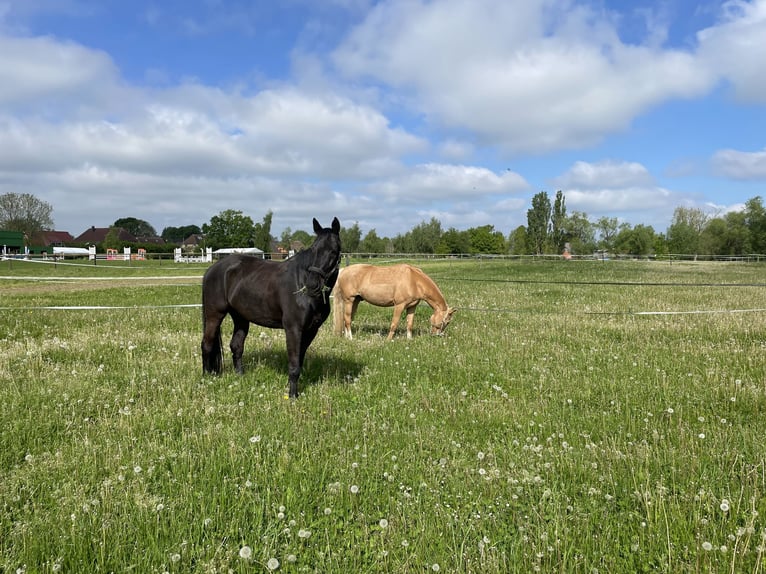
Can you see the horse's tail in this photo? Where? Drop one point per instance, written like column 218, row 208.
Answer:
column 212, row 347
column 337, row 309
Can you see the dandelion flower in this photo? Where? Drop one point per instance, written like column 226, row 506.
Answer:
column 272, row 564
column 246, row 553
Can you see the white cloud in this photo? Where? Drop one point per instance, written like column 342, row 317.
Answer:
column 740, row 164
column 48, row 76
column 735, row 45
column 530, row 76
column 449, row 183
column 611, row 174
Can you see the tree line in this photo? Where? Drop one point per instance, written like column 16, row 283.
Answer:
column 549, row 230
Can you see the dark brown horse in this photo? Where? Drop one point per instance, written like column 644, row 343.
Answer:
column 293, row 295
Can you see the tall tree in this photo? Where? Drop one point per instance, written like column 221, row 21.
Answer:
column 538, row 223
column 136, row 227
column 262, row 233
column 685, row 230
column 230, row 228
column 372, row 243
column 350, row 238
column 607, row 228
column 485, row 239
column 26, row 213
column 454, row 242
column 638, row 240
column 423, row 238
column 558, row 222
column 517, row 241
column 579, row 233
column 755, row 216
column 178, row 234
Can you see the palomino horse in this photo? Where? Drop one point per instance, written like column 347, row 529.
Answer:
column 399, row 286
column 293, row 295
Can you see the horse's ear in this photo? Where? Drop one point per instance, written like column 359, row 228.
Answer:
column 317, row 227
column 335, row 225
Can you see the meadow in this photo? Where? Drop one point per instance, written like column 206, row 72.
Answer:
column 577, row 416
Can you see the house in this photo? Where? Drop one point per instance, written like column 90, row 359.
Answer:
column 192, row 242
column 95, row 235
column 56, row 238
column 11, row 242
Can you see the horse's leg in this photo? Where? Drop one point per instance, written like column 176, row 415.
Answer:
column 398, row 309
column 295, row 354
column 237, row 344
column 348, row 316
column 212, row 353
column 410, row 319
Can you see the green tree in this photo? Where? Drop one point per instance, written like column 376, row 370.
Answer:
column 579, row 233
column 637, row 241
column 454, row 242
column 112, row 239
column 262, row 233
column 517, row 241
column 350, row 238
column 485, row 239
column 738, row 234
column 372, row 243
column 538, row 223
column 136, row 227
column 755, row 218
column 179, row 234
column 607, row 228
column 558, row 222
column 423, row 238
column 685, row 230
column 230, row 228
column 25, row 213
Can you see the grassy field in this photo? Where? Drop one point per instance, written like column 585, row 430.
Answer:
column 576, row 417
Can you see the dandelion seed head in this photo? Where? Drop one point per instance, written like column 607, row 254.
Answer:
column 246, row 553
column 707, row 546
column 354, row 489
column 725, row 505
column 383, row 523
column 272, row 564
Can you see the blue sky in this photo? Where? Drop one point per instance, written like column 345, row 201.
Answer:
column 383, row 113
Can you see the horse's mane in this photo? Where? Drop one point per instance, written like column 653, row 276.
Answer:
column 422, row 275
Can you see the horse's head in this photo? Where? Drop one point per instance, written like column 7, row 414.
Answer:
column 326, row 253
column 440, row 319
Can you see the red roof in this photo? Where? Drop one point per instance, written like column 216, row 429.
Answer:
column 56, row 238
column 98, row 234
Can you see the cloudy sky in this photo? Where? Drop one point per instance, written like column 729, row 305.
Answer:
column 384, row 113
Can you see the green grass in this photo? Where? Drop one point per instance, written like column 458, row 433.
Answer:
column 552, row 429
